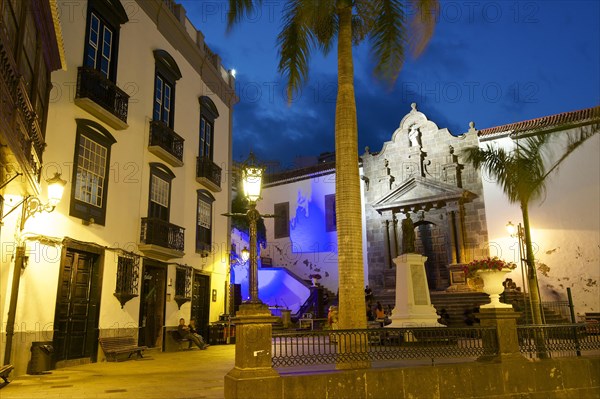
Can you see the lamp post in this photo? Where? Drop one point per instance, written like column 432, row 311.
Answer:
column 31, row 205
column 252, row 175
column 535, row 304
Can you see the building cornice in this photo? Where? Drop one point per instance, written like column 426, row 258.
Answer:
column 545, row 124
column 177, row 29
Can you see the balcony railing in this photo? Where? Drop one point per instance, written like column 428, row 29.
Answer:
column 163, row 234
column 166, row 140
column 93, row 85
column 208, row 173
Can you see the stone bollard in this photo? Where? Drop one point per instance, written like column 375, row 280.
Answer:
column 253, row 375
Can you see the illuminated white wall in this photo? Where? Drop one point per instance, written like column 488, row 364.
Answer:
column 565, row 228
column 309, row 249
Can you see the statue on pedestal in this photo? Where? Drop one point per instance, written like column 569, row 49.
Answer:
column 408, row 235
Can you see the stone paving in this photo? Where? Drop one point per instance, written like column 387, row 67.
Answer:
column 188, row 374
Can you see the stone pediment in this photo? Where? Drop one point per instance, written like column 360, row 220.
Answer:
column 420, row 193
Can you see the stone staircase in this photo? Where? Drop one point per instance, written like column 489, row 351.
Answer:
column 457, row 304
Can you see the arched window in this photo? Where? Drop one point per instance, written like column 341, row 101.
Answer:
column 166, row 74
column 208, row 114
column 89, row 187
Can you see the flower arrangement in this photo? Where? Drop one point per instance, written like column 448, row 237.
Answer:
column 488, row 263
column 316, row 276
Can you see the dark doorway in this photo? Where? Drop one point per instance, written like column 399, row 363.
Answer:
column 76, row 317
column 200, row 303
column 152, row 303
column 431, row 243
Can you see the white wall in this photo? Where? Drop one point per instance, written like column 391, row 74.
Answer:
column 565, row 228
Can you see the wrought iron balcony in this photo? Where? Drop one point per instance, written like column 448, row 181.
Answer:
column 101, row 98
column 208, row 173
column 165, row 143
column 161, row 239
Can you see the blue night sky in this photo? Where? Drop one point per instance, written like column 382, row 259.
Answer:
column 491, row 62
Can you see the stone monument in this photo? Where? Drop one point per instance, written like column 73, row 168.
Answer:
column 413, row 304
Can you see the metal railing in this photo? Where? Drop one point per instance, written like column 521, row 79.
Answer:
column 163, row 136
column 94, row 85
column 381, row 344
column 163, row 234
column 206, row 168
column 560, row 340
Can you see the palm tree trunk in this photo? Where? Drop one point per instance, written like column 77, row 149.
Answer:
column 352, row 313
column 534, row 290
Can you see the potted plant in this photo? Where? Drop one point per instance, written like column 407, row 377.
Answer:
column 491, row 271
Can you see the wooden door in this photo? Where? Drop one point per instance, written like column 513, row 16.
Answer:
column 76, row 314
column 201, row 303
column 152, row 304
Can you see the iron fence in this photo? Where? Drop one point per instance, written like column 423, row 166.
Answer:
column 559, row 340
column 381, row 344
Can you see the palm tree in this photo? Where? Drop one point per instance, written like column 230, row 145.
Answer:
column 521, row 172
column 310, row 24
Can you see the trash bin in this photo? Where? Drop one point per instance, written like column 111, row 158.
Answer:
column 286, row 317
column 41, row 357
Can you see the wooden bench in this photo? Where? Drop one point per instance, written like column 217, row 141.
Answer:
column 4, row 372
column 177, row 338
column 115, row 346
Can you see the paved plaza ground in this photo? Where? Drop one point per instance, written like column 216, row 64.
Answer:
column 186, row 374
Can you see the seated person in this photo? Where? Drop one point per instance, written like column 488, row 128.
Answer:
column 194, row 331
column 185, row 333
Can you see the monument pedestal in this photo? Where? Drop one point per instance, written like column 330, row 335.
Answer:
column 413, row 304
column 253, row 375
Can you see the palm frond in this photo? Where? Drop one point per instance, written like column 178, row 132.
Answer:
column 237, row 10
column 321, row 17
column 574, row 141
column 388, row 38
column 423, row 23
column 294, row 42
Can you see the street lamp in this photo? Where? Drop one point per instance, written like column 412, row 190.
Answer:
column 529, row 272
column 245, row 254
column 252, row 174
column 31, row 206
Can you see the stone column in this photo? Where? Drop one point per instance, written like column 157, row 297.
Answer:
column 386, row 244
column 452, row 232
column 460, row 256
column 253, row 376
column 394, row 242
column 505, row 322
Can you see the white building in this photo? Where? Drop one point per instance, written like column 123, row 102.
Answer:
column 139, row 124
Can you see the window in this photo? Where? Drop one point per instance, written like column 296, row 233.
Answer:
column 183, row 281
column 204, row 221
column 90, row 171
column 102, row 36
column 128, row 273
column 160, row 191
column 166, row 74
column 206, row 138
column 282, row 220
column 330, row 215
column 208, row 114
